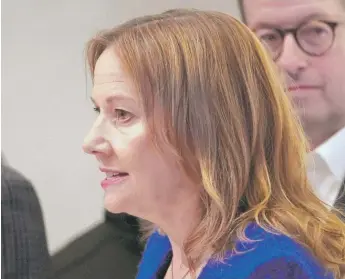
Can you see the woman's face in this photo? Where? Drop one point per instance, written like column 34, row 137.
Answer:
column 137, row 179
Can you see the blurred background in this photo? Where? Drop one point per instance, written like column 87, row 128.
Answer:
column 45, row 100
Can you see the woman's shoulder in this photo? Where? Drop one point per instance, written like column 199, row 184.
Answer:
column 267, row 255
column 157, row 247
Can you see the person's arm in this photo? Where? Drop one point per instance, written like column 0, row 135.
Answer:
column 24, row 246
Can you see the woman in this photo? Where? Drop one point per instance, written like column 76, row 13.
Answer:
column 195, row 134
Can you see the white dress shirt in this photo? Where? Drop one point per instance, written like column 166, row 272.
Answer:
column 326, row 167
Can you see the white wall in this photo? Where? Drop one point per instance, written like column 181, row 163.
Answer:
column 45, row 107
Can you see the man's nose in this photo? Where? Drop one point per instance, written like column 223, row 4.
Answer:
column 293, row 60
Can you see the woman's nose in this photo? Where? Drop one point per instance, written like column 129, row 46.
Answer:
column 89, row 145
column 95, row 144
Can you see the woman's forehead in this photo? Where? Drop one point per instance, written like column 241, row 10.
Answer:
column 108, row 65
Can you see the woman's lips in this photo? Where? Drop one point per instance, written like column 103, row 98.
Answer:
column 114, row 180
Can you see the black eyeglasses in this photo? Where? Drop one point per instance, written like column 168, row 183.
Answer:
column 314, row 37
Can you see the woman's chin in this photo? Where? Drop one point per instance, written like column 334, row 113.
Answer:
column 115, row 204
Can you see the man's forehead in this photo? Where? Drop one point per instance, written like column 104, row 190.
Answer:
column 288, row 12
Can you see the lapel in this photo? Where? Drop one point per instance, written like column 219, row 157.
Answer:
column 340, row 201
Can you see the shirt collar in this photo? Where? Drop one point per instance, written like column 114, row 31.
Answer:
column 332, row 151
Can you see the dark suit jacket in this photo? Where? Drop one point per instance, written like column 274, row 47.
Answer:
column 111, row 250
column 23, row 239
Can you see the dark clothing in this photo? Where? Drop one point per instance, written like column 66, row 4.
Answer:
column 23, row 239
column 110, row 250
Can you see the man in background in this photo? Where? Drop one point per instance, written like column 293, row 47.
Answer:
column 109, row 250
column 307, row 41
column 24, row 252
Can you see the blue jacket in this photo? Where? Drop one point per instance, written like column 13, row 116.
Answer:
column 271, row 257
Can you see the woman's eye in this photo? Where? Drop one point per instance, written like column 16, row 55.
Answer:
column 122, row 116
column 96, row 109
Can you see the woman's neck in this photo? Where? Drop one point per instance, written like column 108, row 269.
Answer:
column 179, row 266
column 179, row 222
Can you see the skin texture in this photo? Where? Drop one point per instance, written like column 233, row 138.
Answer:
column 321, row 107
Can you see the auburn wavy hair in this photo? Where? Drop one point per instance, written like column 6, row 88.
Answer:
column 212, row 94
